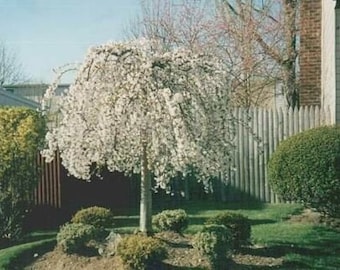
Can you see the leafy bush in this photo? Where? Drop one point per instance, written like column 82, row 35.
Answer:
column 171, row 220
column 214, row 242
column 306, row 168
column 238, row 224
column 11, row 213
column 22, row 132
column 96, row 216
column 140, row 252
column 75, row 237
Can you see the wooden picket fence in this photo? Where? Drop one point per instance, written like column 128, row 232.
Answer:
column 48, row 191
column 258, row 133
column 249, row 173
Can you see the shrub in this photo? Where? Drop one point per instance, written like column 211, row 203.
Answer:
column 140, row 252
column 306, row 168
column 96, row 216
column 214, row 242
column 75, row 237
column 171, row 220
column 11, row 213
column 238, row 224
column 22, row 133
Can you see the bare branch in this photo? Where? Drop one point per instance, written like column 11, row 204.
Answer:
column 11, row 71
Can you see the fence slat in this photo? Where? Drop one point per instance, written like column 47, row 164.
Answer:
column 256, row 156
column 246, row 152
column 266, row 127
column 251, row 139
column 261, row 157
column 271, row 126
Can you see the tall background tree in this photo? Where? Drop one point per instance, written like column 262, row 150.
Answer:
column 263, row 37
column 11, row 70
column 181, row 23
column 137, row 110
column 257, row 39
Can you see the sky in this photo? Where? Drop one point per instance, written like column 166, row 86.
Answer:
column 47, row 34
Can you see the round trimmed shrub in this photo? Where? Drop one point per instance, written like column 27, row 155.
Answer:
column 238, row 224
column 74, row 237
column 96, row 216
column 306, row 168
column 171, row 220
column 214, row 242
column 141, row 252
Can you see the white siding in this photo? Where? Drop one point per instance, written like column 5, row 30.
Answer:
column 328, row 93
column 337, row 61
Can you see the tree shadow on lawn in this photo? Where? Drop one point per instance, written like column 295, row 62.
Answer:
column 193, row 220
column 196, row 207
column 321, row 245
column 126, row 221
column 284, row 266
column 262, row 221
column 279, row 251
column 165, row 266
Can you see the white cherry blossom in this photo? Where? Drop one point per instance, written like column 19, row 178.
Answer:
column 138, row 111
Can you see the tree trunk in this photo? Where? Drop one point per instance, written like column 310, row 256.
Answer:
column 289, row 64
column 186, row 189
column 222, row 187
column 145, row 221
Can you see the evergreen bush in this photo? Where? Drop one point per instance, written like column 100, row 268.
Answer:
column 75, row 237
column 306, row 168
column 238, row 224
column 214, row 242
column 171, row 220
column 96, row 216
column 141, row 252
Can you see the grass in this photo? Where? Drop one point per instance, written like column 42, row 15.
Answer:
column 302, row 245
column 200, row 211
column 21, row 254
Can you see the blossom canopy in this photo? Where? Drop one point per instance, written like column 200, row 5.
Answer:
column 128, row 97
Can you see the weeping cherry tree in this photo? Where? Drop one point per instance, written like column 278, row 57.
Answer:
column 134, row 110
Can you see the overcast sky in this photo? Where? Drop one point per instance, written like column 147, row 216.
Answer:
column 46, row 34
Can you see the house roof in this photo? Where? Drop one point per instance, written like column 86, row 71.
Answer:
column 33, row 90
column 9, row 99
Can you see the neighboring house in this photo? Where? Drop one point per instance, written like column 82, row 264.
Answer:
column 320, row 55
column 34, row 92
column 8, row 98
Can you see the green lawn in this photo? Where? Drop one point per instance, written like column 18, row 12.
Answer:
column 305, row 246
column 14, row 257
column 199, row 212
column 302, row 245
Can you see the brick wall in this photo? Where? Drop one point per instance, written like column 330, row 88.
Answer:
column 310, row 52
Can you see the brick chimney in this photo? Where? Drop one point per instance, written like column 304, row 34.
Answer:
column 310, row 52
